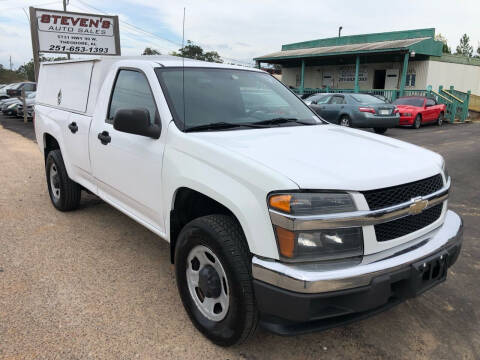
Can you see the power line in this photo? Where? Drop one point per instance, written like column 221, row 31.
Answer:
column 21, row 7
column 153, row 34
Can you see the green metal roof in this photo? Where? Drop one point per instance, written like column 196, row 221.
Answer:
column 421, row 41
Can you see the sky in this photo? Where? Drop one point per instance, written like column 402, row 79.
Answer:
column 242, row 30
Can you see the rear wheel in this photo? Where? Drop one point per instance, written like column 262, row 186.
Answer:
column 345, row 121
column 213, row 271
column 417, row 122
column 380, row 130
column 64, row 192
column 440, row 119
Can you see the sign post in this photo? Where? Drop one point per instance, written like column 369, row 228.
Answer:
column 68, row 33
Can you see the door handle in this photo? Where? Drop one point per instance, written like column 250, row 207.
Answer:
column 104, row 137
column 73, row 127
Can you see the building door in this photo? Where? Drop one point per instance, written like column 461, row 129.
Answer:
column 327, row 80
column 391, row 82
column 379, row 79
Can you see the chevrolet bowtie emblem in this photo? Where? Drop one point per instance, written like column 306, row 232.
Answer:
column 418, row 206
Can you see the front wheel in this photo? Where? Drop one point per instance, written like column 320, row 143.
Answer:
column 440, row 119
column 417, row 122
column 213, row 271
column 380, row 130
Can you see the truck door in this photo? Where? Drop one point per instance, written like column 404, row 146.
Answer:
column 128, row 167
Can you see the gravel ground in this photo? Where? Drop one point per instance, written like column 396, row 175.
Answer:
column 93, row 284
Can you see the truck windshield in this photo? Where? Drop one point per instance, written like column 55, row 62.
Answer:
column 227, row 99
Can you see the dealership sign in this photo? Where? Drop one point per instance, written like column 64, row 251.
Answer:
column 74, row 33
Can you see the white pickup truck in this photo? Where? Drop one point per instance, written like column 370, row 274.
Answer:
column 274, row 216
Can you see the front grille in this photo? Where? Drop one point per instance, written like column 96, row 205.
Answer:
column 406, row 225
column 394, row 195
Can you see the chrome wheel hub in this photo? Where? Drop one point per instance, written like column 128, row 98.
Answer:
column 54, row 181
column 207, row 283
column 345, row 122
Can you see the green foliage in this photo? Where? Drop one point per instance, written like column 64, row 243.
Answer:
column 464, row 48
column 27, row 71
column 150, row 51
column 193, row 51
column 9, row 76
column 446, row 49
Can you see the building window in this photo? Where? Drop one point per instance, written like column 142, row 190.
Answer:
column 410, row 80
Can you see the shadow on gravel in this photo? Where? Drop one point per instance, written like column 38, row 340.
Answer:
column 17, row 125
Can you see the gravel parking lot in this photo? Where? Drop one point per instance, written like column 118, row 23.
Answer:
column 94, row 284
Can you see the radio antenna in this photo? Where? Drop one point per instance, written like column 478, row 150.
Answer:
column 183, row 69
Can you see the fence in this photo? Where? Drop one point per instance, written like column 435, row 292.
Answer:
column 456, row 102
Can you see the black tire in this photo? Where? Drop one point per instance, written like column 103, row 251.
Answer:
column 380, row 130
column 223, row 236
column 440, row 119
column 66, row 193
column 345, row 121
column 417, row 122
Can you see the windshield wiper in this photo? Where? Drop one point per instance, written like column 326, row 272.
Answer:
column 282, row 120
column 221, row 125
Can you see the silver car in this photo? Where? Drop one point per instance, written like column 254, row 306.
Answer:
column 356, row 110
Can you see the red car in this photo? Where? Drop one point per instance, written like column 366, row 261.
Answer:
column 418, row 110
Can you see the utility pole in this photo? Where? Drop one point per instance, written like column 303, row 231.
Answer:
column 65, row 3
column 10, row 62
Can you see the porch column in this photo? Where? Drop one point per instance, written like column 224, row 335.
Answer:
column 404, row 73
column 357, row 69
column 302, row 77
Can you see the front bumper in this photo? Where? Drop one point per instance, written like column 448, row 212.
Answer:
column 406, row 120
column 301, row 298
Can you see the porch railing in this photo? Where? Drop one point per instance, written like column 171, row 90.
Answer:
column 456, row 101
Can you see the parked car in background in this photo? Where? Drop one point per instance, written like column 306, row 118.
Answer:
column 30, row 103
column 3, row 91
column 418, row 110
column 16, row 91
column 11, row 109
column 4, row 104
column 357, row 110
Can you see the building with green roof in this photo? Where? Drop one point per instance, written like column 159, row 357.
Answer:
column 398, row 60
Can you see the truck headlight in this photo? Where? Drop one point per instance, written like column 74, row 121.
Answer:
column 315, row 245
column 312, row 203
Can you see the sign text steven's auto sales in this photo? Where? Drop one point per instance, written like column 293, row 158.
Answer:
column 76, row 33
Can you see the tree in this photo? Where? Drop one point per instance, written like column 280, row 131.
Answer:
column 150, row 51
column 464, row 48
column 193, row 51
column 446, row 49
column 27, row 70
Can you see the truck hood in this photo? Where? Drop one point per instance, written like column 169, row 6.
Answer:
column 330, row 156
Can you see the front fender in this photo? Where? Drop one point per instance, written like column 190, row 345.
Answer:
column 236, row 183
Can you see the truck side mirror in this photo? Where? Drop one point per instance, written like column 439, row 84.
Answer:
column 135, row 121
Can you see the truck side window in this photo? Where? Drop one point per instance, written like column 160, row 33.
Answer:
column 131, row 91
